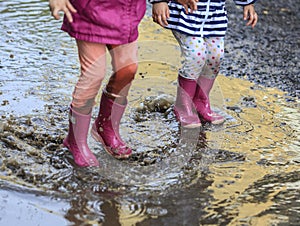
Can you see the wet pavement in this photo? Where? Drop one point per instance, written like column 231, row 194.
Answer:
column 245, row 172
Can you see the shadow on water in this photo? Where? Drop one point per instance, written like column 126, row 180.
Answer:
column 245, row 172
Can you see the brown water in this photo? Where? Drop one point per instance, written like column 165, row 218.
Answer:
column 245, row 172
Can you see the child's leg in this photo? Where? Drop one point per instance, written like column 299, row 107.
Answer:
column 92, row 61
column 125, row 64
column 92, row 57
column 114, row 100
column 215, row 53
column 192, row 50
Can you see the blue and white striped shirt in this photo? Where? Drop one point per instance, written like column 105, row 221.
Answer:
column 210, row 19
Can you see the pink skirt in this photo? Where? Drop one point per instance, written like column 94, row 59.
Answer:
column 105, row 21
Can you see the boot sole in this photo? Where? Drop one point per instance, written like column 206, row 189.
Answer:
column 218, row 122
column 192, row 126
column 98, row 138
column 215, row 122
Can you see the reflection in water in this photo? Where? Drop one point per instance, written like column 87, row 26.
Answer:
column 244, row 172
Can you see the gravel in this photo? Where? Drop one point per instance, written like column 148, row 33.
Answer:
column 267, row 55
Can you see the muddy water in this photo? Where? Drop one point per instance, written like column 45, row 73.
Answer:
column 245, row 172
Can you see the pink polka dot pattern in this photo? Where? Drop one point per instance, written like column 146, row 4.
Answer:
column 201, row 56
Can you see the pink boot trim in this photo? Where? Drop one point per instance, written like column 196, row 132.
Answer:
column 202, row 102
column 106, row 128
column 76, row 140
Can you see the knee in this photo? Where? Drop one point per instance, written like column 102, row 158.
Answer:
column 127, row 73
column 131, row 69
column 192, row 65
column 196, row 59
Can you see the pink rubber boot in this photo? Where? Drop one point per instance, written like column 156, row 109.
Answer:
column 76, row 140
column 184, row 108
column 106, row 128
column 202, row 102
